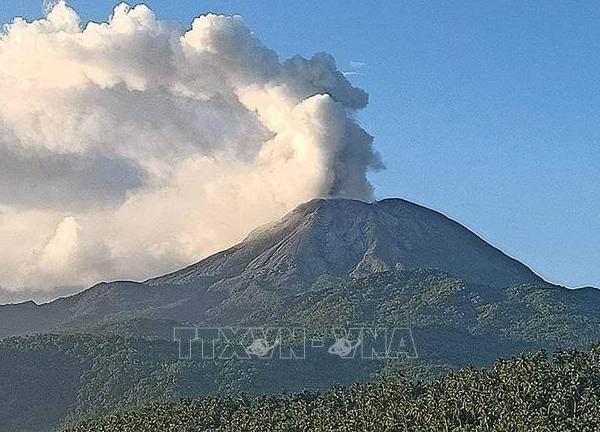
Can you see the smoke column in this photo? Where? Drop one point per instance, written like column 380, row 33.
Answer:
column 129, row 148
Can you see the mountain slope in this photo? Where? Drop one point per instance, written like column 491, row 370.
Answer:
column 320, row 242
column 341, row 237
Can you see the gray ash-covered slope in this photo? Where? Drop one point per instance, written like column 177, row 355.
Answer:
column 341, row 238
column 320, row 241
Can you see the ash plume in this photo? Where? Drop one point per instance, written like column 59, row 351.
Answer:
column 131, row 147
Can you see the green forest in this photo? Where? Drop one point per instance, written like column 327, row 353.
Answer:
column 535, row 392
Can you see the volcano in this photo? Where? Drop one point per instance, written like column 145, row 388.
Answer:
column 320, row 242
column 348, row 238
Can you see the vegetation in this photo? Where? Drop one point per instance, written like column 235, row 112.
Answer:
column 453, row 322
column 527, row 393
column 60, row 379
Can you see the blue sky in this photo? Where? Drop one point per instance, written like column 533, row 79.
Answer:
column 488, row 113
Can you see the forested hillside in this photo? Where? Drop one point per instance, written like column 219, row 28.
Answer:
column 59, row 379
column 527, row 393
column 54, row 380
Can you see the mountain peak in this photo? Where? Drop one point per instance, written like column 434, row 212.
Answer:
column 342, row 238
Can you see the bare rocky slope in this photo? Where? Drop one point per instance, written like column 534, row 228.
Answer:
column 341, row 237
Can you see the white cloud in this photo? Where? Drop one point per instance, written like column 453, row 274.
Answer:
column 129, row 148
